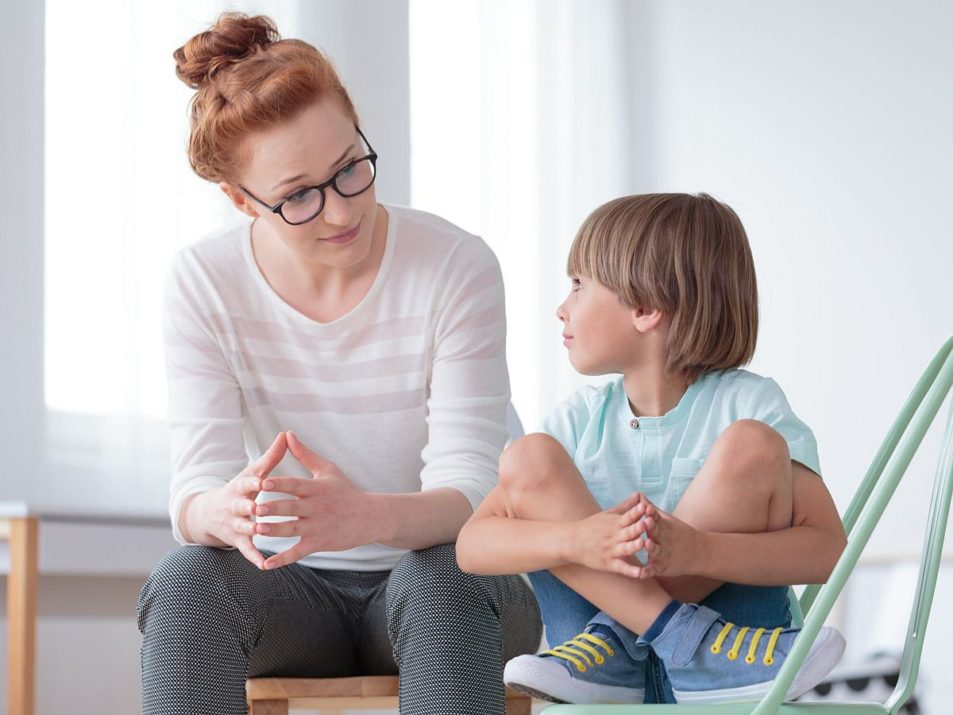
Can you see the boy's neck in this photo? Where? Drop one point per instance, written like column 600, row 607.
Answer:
column 651, row 391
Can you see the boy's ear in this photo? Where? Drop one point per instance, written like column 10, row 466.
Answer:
column 239, row 199
column 646, row 319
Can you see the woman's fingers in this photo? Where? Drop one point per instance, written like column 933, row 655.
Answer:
column 304, row 455
column 279, row 507
column 296, row 486
column 272, row 456
column 296, row 552
column 243, row 507
column 279, row 528
column 247, row 549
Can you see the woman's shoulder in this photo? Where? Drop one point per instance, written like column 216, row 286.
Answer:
column 431, row 238
column 223, row 247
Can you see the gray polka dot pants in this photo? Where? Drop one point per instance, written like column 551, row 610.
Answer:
column 209, row 619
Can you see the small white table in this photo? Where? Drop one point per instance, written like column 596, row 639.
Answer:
column 72, row 543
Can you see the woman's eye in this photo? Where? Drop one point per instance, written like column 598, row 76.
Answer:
column 299, row 196
column 346, row 171
column 576, row 285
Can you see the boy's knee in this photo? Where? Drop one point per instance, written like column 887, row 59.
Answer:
column 753, row 445
column 529, row 462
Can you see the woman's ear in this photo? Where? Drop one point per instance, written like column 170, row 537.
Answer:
column 239, row 199
column 646, row 319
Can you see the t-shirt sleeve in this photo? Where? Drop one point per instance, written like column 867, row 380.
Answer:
column 469, row 384
column 568, row 420
column 205, row 405
column 768, row 404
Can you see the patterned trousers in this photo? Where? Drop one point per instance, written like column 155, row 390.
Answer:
column 210, row 619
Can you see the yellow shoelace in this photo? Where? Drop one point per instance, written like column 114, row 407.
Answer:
column 579, row 649
column 735, row 649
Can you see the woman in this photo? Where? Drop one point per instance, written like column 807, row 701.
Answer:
column 363, row 343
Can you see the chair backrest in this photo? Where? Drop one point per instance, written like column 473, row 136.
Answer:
column 863, row 514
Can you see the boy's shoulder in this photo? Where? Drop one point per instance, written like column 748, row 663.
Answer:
column 737, row 383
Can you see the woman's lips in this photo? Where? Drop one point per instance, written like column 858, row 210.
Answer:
column 567, row 339
column 344, row 237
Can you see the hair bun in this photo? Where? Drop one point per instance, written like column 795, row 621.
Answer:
column 233, row 37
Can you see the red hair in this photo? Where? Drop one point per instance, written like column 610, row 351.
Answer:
column 248, row 79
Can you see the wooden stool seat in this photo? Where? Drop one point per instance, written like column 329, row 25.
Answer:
column 274, row 696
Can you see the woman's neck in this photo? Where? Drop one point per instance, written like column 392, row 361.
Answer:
column 321, row 292
column 652, row 391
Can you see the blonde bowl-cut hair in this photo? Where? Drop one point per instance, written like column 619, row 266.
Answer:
column 248, row 79
column 686, row 256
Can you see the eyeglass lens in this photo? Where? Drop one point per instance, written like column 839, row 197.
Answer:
column 352, row 180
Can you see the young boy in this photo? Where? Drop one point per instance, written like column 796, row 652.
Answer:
column 729, row 508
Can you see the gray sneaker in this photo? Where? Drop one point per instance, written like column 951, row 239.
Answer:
column 594, row 667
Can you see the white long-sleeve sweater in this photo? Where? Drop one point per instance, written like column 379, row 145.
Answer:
column 406, row 392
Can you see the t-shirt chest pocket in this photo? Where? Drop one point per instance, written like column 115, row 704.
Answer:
column 681, row 476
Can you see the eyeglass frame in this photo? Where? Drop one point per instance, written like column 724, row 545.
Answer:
column 276, row 209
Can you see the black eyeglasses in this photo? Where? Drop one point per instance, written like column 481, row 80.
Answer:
column 305, row 204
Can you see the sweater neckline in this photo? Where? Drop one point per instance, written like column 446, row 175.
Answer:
column 293, row 313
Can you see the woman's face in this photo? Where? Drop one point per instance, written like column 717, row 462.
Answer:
column 307, row 151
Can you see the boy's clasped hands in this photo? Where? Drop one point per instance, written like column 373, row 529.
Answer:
column 613, row 540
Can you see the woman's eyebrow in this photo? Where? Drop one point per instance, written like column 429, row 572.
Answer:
column 303, row 176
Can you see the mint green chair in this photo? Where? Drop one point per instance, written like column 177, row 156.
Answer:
column 865, row 510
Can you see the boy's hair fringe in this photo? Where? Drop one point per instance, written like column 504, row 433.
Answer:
column 686, row 255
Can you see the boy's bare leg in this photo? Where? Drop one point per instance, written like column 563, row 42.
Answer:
column 745, row 485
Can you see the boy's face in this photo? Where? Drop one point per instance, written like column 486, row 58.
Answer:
column 598, row 329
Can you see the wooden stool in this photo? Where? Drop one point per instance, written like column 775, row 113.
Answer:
column 274, row 696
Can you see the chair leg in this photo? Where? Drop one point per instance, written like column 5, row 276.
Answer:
column 268, row 707
column 520, row 705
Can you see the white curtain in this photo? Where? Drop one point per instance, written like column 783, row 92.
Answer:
column 120, row 199
column 522, row 121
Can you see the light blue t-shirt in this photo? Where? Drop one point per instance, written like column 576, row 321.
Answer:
column 661, row 455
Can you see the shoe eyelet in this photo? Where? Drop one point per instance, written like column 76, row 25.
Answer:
column 732, row 656
column 715, row 651
column 768, row 661
column 581, row 668
column 600, row 660
column 749, row 660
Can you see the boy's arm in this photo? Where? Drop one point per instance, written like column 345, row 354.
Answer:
column 487, row 543
column 804, row 553
column 495, row 542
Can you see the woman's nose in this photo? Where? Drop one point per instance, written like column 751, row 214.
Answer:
column 561, row 312
column 337, row 209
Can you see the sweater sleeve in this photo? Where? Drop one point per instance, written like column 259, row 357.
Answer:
column 469, row 384
column 205, row 405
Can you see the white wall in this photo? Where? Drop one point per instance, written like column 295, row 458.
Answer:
column 827, row 126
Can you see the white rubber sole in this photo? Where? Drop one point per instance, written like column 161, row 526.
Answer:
column 823, row 656
column 545, row 679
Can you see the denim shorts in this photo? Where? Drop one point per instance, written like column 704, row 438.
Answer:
column 565, row 614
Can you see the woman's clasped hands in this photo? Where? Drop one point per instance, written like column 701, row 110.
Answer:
column 330, row 512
